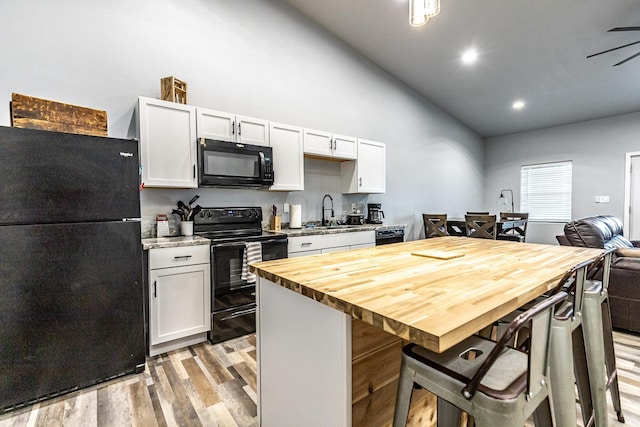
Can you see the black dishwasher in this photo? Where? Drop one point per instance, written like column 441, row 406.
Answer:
column 389, row 235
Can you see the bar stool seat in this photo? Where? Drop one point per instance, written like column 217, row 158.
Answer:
column 496, row 384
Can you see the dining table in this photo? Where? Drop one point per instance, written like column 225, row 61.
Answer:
column 458, row 227
column 331, row 327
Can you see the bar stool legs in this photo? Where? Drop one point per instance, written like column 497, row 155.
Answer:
column 561, row 364
column 601, row 360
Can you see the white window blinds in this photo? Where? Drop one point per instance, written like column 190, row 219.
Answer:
column 546, row 191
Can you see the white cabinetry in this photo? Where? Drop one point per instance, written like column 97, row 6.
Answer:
column 223, row 126
column 167, row 135
column 367, row 174
column 325, row 243
column 325, row 144
column 287, row 145
column 179, row 297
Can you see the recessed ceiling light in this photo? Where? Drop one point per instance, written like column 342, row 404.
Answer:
column 518, row 105
column 469, row 56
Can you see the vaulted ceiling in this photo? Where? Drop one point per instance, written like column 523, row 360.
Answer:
column 529, row 50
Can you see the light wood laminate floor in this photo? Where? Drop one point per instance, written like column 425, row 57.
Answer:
column 215, row 385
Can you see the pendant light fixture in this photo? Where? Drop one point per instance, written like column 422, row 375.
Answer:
column 421, row 10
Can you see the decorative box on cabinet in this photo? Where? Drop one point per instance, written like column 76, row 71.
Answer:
column 167, row 135
column 179, row 297
column 212, row 124
column 324, row 144
column 367, row 174
column 287, row 145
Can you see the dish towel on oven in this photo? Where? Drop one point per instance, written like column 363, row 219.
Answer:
column 252, row 253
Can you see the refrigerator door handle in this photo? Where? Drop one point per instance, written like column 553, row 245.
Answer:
column 155, row 289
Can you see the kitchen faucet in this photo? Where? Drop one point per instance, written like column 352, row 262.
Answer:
column 325, row 221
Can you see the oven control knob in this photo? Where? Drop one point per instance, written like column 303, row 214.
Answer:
column 209, row 214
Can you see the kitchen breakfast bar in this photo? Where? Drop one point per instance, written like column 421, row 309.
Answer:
column 331, row 327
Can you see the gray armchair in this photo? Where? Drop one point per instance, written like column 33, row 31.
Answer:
column 605, row 232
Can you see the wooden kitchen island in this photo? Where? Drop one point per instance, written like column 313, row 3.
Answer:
column 331, row 326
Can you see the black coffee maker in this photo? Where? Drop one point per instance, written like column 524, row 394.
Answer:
column 374, row 213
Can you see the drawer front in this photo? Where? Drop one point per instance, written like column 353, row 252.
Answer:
column 324, row 241
column 305, row 243
column 175, row 257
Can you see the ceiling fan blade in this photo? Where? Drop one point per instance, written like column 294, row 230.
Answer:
column 628, row 59
column 615, row 48
column 625, row 29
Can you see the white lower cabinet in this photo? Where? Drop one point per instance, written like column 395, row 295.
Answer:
column 179, row 297
column 326, row 243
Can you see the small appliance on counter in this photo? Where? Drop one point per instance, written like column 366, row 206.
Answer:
column 355, row 219
column 375, row 213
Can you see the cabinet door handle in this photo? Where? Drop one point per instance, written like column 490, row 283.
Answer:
column 155, row 289
column 239, row 129
column 360, row 180
column 335, row 144
column 182, row 257
column 330, row 144
column 194, row 171
column 306, row 244
column 233, row 128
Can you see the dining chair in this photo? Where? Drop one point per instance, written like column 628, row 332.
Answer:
column 435, row 225
column 481, row 226
column 510, row 231
column 494, row 383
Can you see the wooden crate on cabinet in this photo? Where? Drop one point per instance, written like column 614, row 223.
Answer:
column 173, row 89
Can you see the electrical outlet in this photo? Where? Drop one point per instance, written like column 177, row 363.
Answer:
column 602, row 199
column 286, row 208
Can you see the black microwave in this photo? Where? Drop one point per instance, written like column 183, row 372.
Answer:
column 232, row 164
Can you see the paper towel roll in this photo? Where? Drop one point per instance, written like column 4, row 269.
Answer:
column 295, row 216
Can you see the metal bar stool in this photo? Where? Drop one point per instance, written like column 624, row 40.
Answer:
column 568, row 357
column 601, row 360
column 568, row 350
column 494, row 383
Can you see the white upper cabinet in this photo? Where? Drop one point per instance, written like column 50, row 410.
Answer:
column 167, row 135
column 326, row 144
column 212, row 124
column 367, row 174
column 344, row 147
column 287, row 146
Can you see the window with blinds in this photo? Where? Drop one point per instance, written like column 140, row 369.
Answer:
column 545, row 191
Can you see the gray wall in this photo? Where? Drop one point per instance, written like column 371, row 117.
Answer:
column 256, row 58
column 597, row 149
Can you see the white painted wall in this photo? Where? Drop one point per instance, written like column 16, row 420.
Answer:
column 251, row 57
column 597, row 149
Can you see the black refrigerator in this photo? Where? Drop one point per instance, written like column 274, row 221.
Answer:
column 71, row 297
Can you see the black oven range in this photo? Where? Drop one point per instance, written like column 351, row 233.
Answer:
column 233, row 231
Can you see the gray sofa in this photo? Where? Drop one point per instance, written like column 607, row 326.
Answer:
column 605, row 232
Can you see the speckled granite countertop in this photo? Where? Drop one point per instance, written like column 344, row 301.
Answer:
column 173, row 242
column 178, row 241
column 293, row 232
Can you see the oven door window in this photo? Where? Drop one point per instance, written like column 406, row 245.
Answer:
column 274, row 249
column 229, row 289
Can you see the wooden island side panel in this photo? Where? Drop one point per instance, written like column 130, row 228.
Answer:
column 376, row 359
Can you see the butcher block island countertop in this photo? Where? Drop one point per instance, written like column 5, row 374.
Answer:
column 434, row 292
